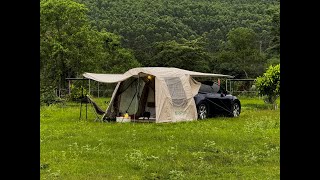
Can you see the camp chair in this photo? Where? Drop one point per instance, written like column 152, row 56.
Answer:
column 97, row 110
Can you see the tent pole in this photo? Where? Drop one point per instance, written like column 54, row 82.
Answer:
column 137, row 96
column 87, row 103
column 134, row 114
column 138, row 92
column 98, row 89
column 86, row 110
column 89, row 87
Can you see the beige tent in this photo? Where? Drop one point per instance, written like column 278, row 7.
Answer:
column 166, row 93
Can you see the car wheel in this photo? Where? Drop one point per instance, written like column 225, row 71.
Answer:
column 202, row 111
column 235, row 109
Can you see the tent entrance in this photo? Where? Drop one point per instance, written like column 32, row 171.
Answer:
column 136, row 96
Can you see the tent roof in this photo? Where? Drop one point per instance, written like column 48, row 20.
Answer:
column 155, row 71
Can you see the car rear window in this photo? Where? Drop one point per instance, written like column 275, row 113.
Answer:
column 204, row 88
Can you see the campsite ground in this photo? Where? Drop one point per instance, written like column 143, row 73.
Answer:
column 247, row 147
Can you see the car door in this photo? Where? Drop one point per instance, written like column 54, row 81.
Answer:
column 215, row 103
column 224, row 102
column 214, row 99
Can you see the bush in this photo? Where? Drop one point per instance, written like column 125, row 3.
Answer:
column 49, row 97
column 269, row 84
column 76, row 93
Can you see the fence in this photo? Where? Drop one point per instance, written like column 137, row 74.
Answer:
column 96, row 89
column 241, row 87
column 93, row 88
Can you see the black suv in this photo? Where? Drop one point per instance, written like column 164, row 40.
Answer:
column 212, row 100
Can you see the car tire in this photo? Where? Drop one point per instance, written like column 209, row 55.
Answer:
column 235, row 109
column 202, row 111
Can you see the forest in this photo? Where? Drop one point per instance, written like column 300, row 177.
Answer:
column 234, row 37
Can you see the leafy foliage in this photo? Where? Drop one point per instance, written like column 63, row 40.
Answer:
column 241, row 56
column 240, row 38
column 48, row 97
column 143, row 23
column 77, row 92
column 269, row 83
column 69, row 46
column 186, row 56
column 274, row 48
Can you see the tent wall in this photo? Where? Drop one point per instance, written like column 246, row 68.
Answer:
column 174, row 99
column 110, row 109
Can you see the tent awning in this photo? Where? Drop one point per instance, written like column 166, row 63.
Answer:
column 106, row 78
column 200, row 74
column 156, row 71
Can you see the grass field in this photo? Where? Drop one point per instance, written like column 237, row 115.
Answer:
column 247, row 147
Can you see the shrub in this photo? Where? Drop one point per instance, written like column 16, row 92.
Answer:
column 76, row 92
column 269, row 84
column 47, row 97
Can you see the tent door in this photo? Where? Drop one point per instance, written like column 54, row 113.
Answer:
column 147, row 101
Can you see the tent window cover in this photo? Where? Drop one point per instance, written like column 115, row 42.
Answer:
column 176, row 91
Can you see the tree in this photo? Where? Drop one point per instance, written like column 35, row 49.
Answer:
column 173, row 20
column 213, row 39
column 242, row 39
column 241, row 56
column 65, row 40
column 186, row 56
column 274, row 47
column 269, row 84
column 69, row 46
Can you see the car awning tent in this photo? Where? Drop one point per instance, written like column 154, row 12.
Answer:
column 166, row 93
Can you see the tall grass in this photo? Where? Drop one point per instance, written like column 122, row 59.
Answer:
column 247, row 147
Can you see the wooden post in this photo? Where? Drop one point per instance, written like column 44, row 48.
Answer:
column 226, row 84
column 69, row 87
column 87, row 103
column 59, row 90
column 81, row 102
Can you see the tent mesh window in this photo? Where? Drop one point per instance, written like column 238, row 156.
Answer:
column 178, row 96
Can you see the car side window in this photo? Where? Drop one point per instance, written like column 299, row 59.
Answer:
column 213, row 88
column 205, row 88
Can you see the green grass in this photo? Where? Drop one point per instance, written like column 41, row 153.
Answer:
column 247, row 147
